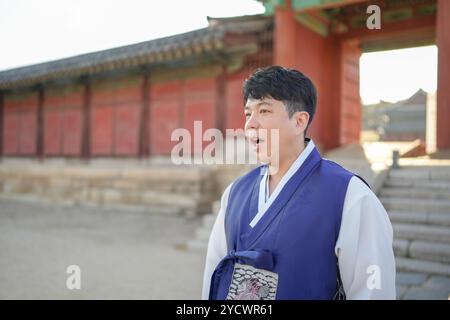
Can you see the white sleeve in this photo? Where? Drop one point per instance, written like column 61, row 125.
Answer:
column 364, row 247
column 217, row 244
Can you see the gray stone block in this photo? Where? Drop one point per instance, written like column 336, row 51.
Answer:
column 415, row 193
column 427, row 250
column 196, row 245
column 410, row 278
column 416, row 205
column 421, row 232
column 423, row 293
column 401, row 247
column 408, row 217
column 401, row 290
column 422, row 266
column 438, row 282
column 442, row 219
column 111, row 196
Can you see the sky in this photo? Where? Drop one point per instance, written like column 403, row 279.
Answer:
column 38, row 31
column 33, row 31
column 397, row 74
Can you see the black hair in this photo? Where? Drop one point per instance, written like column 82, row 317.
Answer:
column 290, row 86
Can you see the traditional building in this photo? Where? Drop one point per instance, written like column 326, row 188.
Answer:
column 404, row 120
column 127, row 101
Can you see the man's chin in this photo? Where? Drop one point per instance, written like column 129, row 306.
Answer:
column 273, row 162
column 263, row 159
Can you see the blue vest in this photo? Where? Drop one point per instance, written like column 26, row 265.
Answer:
column 296, row 236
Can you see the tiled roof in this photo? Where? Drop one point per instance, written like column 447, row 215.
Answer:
column 178, row 47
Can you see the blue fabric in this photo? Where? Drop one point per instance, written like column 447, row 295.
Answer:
column 296, row 236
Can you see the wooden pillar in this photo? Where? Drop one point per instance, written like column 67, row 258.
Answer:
column 220, row 114
column 40, row 123
column 285, row 36
column 144, row 132
column 2, row 112
column 86, row 123
column 350, row 105
column 443, row 86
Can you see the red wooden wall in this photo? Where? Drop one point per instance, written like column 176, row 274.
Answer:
column 235, row 118
column 63, row 121
column 115, row 111
column 20, row 124
column 177, row 104
column 165, row 112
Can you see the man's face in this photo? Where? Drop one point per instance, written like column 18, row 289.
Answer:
column 262, row 116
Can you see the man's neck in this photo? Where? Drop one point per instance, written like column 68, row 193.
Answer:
column 276, row 173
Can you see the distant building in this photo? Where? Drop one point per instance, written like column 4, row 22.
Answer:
column 401, row 121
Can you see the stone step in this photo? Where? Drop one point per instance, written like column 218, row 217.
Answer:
column 185, row 189
column 433, row 251
column 416, row 205
column 423, row 173
column 197, row 245
column 429, row 218
column 202, row 234
column 421, row 232
column 410, row 183
column 424, row 250
column 31, row 198
column 422, row 266
column 216, row 206
column 401, row 247
column 188, row 201
column 208, row 221
column 154, row 197
column 417, row 193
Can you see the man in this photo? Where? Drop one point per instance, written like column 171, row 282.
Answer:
column 299, row 226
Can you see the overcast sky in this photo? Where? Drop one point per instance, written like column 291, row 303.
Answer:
column 397, row 74
column 33, row 31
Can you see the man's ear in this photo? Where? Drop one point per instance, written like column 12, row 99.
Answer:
column 301, row 121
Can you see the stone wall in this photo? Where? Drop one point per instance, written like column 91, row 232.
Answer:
column 182, row 190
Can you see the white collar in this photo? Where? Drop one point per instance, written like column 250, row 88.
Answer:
column 263, row 205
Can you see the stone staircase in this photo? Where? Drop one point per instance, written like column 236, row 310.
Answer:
column 200, row 241
column 418, row 203
column 223, row 176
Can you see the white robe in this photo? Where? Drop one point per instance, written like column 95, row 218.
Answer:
column 364, row 246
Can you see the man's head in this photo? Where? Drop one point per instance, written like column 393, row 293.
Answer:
column 278, row 98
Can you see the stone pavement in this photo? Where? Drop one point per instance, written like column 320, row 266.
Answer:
column 419, row 286
column 122, row 254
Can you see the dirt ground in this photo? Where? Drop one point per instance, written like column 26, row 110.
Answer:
column 122, row 254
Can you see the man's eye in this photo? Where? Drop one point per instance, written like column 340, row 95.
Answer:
column 263, row 111
column 247, row 115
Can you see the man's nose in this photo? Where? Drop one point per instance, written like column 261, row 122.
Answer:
column 252, row 122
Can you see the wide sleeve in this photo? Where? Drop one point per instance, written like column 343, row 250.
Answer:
column 364, row 247
column 217, row 244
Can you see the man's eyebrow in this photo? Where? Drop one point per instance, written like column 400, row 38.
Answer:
column 262, row 103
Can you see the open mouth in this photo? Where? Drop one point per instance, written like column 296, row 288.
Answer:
column 257, row 141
